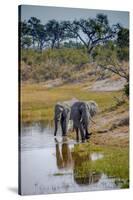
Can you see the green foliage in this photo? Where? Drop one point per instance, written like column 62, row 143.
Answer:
column 115, row 163
column 123, row 44
column 123, row 37
column 90, row 32
column 126, row 89
column 105, row 54
column 26, row 42
column 123, row 53
column 51, row 64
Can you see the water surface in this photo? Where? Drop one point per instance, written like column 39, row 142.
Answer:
column 48, row 164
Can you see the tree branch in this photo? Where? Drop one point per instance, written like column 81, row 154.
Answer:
column 78, row 35
column 117, row 71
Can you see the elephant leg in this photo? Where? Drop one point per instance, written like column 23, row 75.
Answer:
column 77, row 134
column 81, row 128
column 63, row 126
column 56, row 126
column 87, row 134
column 61, row 123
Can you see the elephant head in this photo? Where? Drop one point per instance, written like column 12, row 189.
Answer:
column 92, row 108
column 88, row 109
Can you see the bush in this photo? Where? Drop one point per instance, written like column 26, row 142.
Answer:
column 123, row 54
column 126, row 89
column 51, row 64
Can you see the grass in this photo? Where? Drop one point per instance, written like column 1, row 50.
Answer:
column 58, row 174
column 115, row 163
column 61, row 174
column 37, row 101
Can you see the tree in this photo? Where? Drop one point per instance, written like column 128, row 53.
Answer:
column 38, row 33
column 33, row 23
column 41, row 36
column 123, row 43
column 92, row 32
column 123, row 37
column 57, row 32
column 107, row 58
column 113, row 56
column 25, row 40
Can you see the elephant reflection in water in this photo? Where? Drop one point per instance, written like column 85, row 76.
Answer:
column 63, row 154
column 67, row 160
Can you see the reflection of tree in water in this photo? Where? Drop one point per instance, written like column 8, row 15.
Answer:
column 66, row 159
column 63, row 155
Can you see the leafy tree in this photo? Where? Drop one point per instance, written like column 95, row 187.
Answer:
column 126, row 89
column 33, row 24
column 123, row 44
column 107, row 58
column 41, row 36
column 57, row 32
column 123, row 37
column 38, row 33
column 92, row 32
column 25, row 40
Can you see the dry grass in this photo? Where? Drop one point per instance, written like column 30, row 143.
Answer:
column 37, row 101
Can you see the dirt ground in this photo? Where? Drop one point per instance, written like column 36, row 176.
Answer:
column 111, row 128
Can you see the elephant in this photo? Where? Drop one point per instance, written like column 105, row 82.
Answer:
column 81, row 114
column 62, row 115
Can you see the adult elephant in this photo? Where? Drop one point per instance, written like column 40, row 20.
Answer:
column 62, row 116
column 81, row 114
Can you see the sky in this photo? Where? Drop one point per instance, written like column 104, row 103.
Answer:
column 45, row 14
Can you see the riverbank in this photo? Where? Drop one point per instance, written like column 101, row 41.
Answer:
column 110, row 129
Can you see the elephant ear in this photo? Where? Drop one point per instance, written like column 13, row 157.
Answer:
column 66, row 112
column 93, row 108
column 58, row 111
column 59, row 107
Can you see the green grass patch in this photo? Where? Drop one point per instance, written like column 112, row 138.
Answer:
column 37, row 102
column 115, row 162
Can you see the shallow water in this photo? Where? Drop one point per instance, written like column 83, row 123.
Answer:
column 48, row 165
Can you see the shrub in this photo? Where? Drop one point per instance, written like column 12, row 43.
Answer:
column 126, row 89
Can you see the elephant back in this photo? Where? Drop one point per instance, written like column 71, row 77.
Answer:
column 75, row 111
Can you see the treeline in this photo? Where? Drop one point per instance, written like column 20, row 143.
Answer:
column 87, row 33
column 60, row 49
